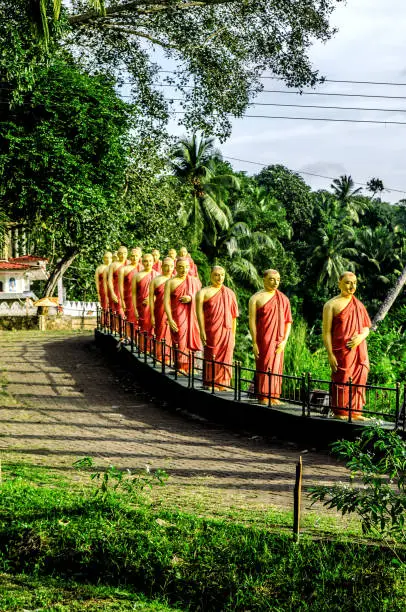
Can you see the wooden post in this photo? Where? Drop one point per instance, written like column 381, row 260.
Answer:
column 297, row 500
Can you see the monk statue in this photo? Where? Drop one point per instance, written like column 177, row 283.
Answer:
column 139, row 265
column 159, row 320
column 217, row 312
column 345, row 326
column 125, row 277
column 157, row 266
column 172, row 253
column 140, row 296
column 100, row 278
column 270, row 322
column 112, row 281
column 179, row 302
column 183, row 252
column 115, row 256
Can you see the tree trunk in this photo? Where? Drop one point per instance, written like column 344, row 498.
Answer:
column 60, row 268
column 389, row 300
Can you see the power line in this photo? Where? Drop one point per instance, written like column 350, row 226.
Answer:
column 327, row 119
column 352, row 82
column 330, row 178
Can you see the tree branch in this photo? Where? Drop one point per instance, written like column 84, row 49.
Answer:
column 145, row 6
column 128, row 30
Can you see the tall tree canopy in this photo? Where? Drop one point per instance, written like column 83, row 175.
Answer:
column 219, row 48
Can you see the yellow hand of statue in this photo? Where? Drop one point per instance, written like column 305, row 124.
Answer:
column 333, row 362
column 203, row 338
column 355, row 341
column 281, row 347
column 173, row 326
column 255, row 350
column 185, row 299
column 137, row 316
column 152, row 322
column 115, row 298
column 145, row 302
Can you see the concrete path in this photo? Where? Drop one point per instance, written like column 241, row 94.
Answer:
column 61, row 401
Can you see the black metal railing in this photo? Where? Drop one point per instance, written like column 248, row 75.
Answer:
column 311, row 397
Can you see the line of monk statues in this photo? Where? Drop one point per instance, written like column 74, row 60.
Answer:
column 166, row 298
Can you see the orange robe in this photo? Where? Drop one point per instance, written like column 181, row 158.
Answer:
column 187, row 338
column 104, row 301
column 128, row 300
column 219, row 312
column 192, row 268
column 352, row 363
column 271, row 320
column 157, row 266
column 144, row 315
column 116, row 307
column 162, row 329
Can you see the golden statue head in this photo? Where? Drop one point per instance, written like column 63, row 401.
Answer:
column 172, row 253
column 155, row 254
column 347, row 283
column 122, row 254
column 114, row 256
column 182, row 266
column 167, row 266
column 183, row 252
column 134, row 255
column 107, row 258
column 271, row 279
column 147, row 262
column 217, row 276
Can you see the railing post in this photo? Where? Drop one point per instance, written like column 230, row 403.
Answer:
column 154, row 350
column 269, row 376
column 132, row 336
column 239, row 381
column 145, row 336
column 309, row 382
column 98, row 318
column 397, row 408
column 189, row 370
column 235, row 382
column 350, row 400
column 175, row 350
column 138, row 341
column 163, row 355
column 213, row 368
column 192, row 381
column 111, row 321
column 303, row 392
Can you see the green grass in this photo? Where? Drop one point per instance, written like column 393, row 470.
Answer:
column 70, row 548
column 50, row 594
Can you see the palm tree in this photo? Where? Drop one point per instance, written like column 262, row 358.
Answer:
column 345, row 192
column 343, row 188
column 195, row 162
column 375, row 248
column 331, row 256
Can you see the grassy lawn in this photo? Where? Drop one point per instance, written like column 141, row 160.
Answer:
column 64, row 548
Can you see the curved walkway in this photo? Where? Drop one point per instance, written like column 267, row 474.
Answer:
column 62, row 401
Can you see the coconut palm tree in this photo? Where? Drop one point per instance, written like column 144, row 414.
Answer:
column 332, row 254
column 345, row 192
column 195, row 162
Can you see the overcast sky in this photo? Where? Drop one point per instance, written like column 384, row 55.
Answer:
column 369, row 46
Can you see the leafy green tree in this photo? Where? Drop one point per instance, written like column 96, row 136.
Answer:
column 63, row 157
column 291, row 191
column 220, row 47
column 378, row 458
